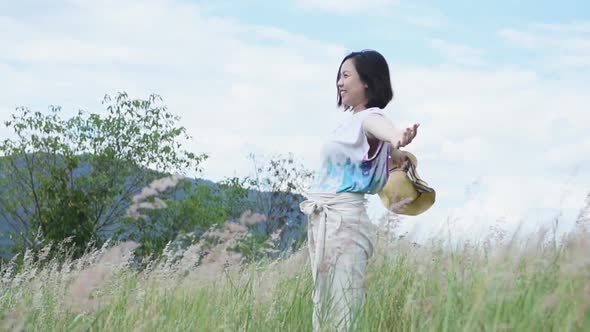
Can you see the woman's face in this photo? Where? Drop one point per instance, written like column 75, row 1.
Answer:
column 351, row 88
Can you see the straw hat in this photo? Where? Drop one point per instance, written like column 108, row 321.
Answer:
column 404, row 192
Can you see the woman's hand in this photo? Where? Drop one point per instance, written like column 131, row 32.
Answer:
column 397, row 158
column 408, row 136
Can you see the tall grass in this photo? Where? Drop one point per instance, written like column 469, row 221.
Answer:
column 537, row 285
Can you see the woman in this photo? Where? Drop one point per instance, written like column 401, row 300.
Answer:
column 354, row 163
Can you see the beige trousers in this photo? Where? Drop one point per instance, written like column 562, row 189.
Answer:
column 340, row 240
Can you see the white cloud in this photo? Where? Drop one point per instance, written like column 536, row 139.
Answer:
column 518, row 133
column 456, row 53
column 234, row 85
column 578, row 150
column 467, row 149
column 561, row 46
column 426, row 21
column 512, row 203
column 348, row 6
column 572, row 27
column 522, row 38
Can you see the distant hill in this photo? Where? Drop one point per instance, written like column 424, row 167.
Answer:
column 296, row 222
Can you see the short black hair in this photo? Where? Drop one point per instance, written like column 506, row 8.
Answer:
column 374, row 72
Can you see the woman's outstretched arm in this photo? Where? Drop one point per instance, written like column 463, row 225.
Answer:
column 381, row 128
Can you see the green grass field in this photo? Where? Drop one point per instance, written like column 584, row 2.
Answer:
column 521, row 286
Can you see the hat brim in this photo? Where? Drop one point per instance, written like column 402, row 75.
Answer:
column 401, row 197
column 422, row 203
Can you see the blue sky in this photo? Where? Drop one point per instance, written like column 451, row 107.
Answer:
column 500, row 88
column 404, row 29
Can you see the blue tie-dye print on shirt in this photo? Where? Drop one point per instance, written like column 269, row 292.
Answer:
column 346, row 165
column 370, row 176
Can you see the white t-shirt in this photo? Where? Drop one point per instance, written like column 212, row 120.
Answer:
column 345, row 162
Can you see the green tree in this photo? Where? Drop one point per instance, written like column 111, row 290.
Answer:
column 169, row 221
column 75, row 177
column 184, row 219
column 277, row 184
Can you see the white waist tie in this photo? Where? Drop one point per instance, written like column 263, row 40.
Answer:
column 340, row 273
